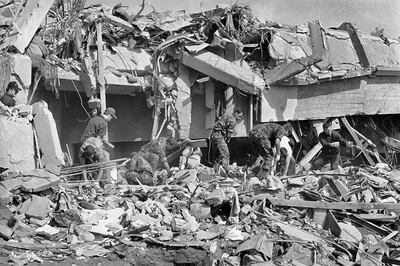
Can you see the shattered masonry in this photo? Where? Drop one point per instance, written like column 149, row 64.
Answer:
column 174, row 74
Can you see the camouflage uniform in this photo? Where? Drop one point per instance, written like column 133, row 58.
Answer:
column 156, row 151
column 263, row 139
column 100, row 155
column 222, row 132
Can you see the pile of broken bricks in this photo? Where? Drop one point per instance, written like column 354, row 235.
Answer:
column 343, row 217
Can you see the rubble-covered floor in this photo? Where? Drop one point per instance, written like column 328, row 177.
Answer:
column 343, row 217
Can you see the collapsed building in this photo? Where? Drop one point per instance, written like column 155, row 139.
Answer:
column 183, row 71
column 173, row 73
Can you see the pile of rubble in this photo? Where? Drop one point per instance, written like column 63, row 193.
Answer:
column 337, row 217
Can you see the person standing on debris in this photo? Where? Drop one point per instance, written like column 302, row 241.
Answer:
column 266, row 140
column 97, row 125
column 11, row 91
column 222, row 133
column 331, row 141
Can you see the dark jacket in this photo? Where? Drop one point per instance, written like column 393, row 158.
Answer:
column 326, row 139
column 7, row 100
column 96, row 127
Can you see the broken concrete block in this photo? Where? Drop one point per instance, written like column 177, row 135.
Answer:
column 49, row 142
column 16, row 154
column 179, row 225
column 5, row 195
column 37, row 207
column 205, row 175
column 144, row 218
column 206, row 235
column 216, row 197
column 193, row 224
column 200, row 211
column 47, row 230
column 319, row 216
column 5, row 213
column 186, row 176
column 39, row 182
column 5, row 231
column 35, row 184
column 166, row 235
column 349, row 232
column 12, row 184
column 193, row 161
column 167, row 216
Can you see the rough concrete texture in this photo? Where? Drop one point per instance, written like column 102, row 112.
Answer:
column 48, row 137
column 183, row 103
column 16, row 153
column 22, row 68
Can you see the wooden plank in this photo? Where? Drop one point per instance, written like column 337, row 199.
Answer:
column 328, row 205
column 357, row 140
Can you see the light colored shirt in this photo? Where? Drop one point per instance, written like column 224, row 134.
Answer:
column 285, row 144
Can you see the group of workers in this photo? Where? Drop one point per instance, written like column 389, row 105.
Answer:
column 271, row 143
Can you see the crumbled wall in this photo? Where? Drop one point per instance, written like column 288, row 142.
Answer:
column 16, row 145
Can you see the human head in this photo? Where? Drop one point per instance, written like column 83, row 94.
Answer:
column 238, row 114
column 109, row 114
column 12, row 88
column 327, row 127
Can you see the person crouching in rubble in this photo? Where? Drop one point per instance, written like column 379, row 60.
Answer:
column 11, row 91
column 92, row 151
column 152, row 157
column 221, row 135
column 97, row 128
column 266, row 140
column 330, row 141
column 157, row 150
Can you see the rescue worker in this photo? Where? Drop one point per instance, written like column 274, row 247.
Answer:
column 11, row 91
column 222, row 133
column 266, row 140
column 157, row 150
column 97, row 125
column 330, row 141
column 92, row 151
column 97, row 128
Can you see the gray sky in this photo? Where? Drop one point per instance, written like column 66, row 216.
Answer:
column 366, row 14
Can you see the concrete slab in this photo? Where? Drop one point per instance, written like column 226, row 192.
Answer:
column 49, row 142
